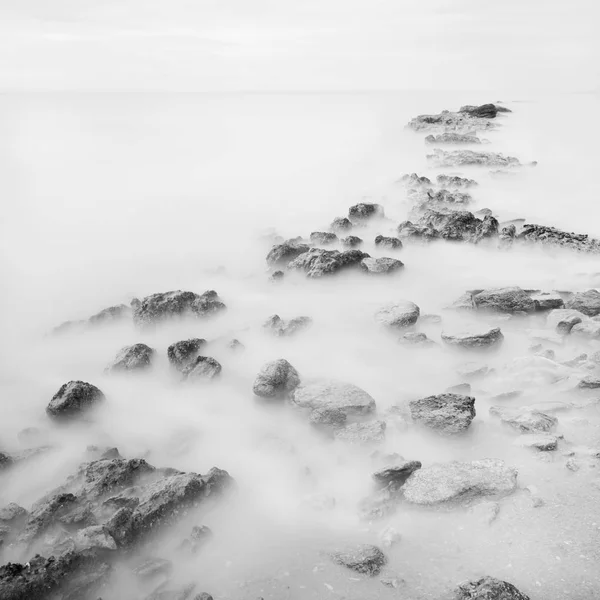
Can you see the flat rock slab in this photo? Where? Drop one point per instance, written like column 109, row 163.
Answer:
column 329, row 393
column 544, row 442
column 364, row 558
column 504, row 300
column 474, row 340
column 525, row 419
column 398, row 315
column 447, row 413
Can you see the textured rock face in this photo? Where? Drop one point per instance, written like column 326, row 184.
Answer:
column 364, row 211
column 587, row 303
column 488, row 588
column 504, row 300
column 455, row 181
column 453, row 225
column 74, row 399
column 398, row 315
column 352, row 241
column 136, row 357
column 333, row 394
column 282, row 254
column 381, row 266
column 365, row 559
column 397, row 474
column 458, row 482
column 461, row 121
column 550, row 236
column 391, row 243
column 341, row 224
column 181, row 354
column 203, row 367
column 484, row 111
column 448, row 413
column 486, row 339
column 452, row 138
column 424, row 233
column 276, row 378
column 277, row 326
column 459, row 158
column 318, row 262
column 562, row 320
column 524, row 419
column 160, row 307
column 323, row 238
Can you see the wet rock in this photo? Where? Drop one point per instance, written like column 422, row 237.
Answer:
column 332, row 394
column 341, row 224
column 277, row 326
column 563, row 320
column 488, row 588
column 524, row 419
column 390, row 243
column 460, row 482
column 398, row 315
column 202, row 367
column 487, row 229
column 407, row 229
column 450, row 121
column 276, row 378
column 587, row 303
column 183, row 353
column 282, row 254
column 351, row 241
column 396, row 475
column 547, row 301
column 452, row 138
column 415, row 338
column 589, row 383
column 460, row 158
column 364, row 558
column 455, row 181
column 447, row 413
column 318, row 262
column 452, row 225
column 323, row 238
column 159, row 307
column 136, row 357
column 370, row 432
column 74, row 399
column 543, row 442
column 380, row 266
column 550, row 236
column 365, row 211
column 485, row 339
column 504, row 300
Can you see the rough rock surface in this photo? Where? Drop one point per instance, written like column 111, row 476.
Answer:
column 398, row 315
column 352, row 241
column 323, row 238
column 459, row 482
column 452, row 138
column 562, row 320
column 488, row 588
column 282, row 254
column 390, row 243
column 276, row 378
column 181, row 354
column 327, row 418
column 455, row 181
column 424, row 233
column 365, row 559
column 318, row 262
column 504, row 300
column 396, row 475
column 524, row 419
column 486, row 339
column 326, row 393
column 587, row 303
column 202, row 367
column 547, row 301
column 74, row 399
column 378, row 266
column 459, row 158
column 461, row 121
column 341, row 224
column 550, row 236
column 277, row 326
column 448, row 413
column 136, row 357
column 364, row 211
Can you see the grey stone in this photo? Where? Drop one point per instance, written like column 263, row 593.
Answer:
column 326, row 393
column 586, row 302
column 137, row 357
column 202, row 367
column 460, row 158
column 364, row 558
column 390, row 243
column 455, row 181
column 408, row 229
column 563, row 320
column 485, row 339
column 281, row 328
column 547, row 301
column 364, row 211
column 380, row 266
column 396, row 475
column 341, row 224
column 328, row 418
column 587, row 329
column 74, row 399
column 504, row 300
column 589, row 383
column 447, row 413
column 452, row 138
column 276, row 378
column 415, row 338
column 488, row 588
column 544, row 442
column 183, row 353
column 553, row 237
column 460, row 388
column 398, row 315
column 524, row 419
column 318, row 262
column 323, row 238
column 352, row 241
column 283, row 254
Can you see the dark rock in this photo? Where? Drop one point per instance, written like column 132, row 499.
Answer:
column 452, row 138
column 524, row 419
column 488, row 588
column 398, row 315
column 323, row 238
column 351, row 241
column 364, row 211
column 202, row 367
column 318, row 262
column 6, row 461
column 453, row 225
column 459, row 158
column 407, row 229
column 550, row 236
column 282, row 254
column 486, row 339
column 587, row 303
column 364, row 558
column 328, row 418
column 183, row 353
column 397, row 474
column 488, row 228
column 504, row 300
column 589, row 383
column 341, row 224
column 485, row 111
column 159, row 307
column 137, row 357
column 448, row 413
column 203, row 596
column 391, row 243
column 276, row 378
column 277, row 326
column 378, row 266
column 547, row 301
column 331, row 394
column 455, row 181
column 74, row 399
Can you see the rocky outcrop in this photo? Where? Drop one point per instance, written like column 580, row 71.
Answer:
column 183, row 353
column 74, row 399
column 407, row 229
column 137, row 357
column 461, row 158
column 323, row 238
column 455, row 181
column 488, row 588
column 504, row 300
column 474, row 340
column 379, row 266
column 551, row 236
column 332, row 394
column 587, row 303
column 202, row 367
column 415, row 338
column 463, row 121
column 389, row 243
column 341, row 224
column 447, row 413
column 365, row 559
column 396, row 475
column 398, row 315
column 318, row 262
column 283, row 254
column 352, row 241
column 524, row 419
column 452, row 138
column 277, row 378
column 280, row 328
column 364, row 211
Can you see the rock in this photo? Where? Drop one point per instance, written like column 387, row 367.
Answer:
column 415, row 338
column 464, row 302
column 455, row 181
column 276, row 378
column 180, row 593
column 413, row 180
column 120, row 312
column 486, row 512
column 277, row 276
column 328, row 418
column 236, row 345
column 550, row 236
column 277, row 326
column 202, row 367
column 341, row 224
column 398, row 315
column 95, row 536
column 504, row 300
column 407, row 229
column 364, row 211
column 318, row 262
column 396, row 475
column 12, row 514
column 153, row 568
column 332, row 394
column 488, row 588
column 370, row 432
column 282, row 254
column 381, row 265
column 159, row 307
column 547, row 301
column 589, row 383
column 452, row 225
column 74, row 399
column 364, row 558
column 485, row 111
column 538, row 441
column 137, row 357
column 488, row 228
column 460, row 158
column 563, row 320
column 323, row 238
column 452, row 138
column 459, row 482
column 391, row 243
column 578, row 361
column 448, row 413
column 183, row 353
column 351, row 241
column 451, row 121
column 486, row 339
column 524, row 419
column 587, row 329
column 587, row 303
column 199, row 537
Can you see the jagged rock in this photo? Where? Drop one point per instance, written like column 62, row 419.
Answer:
column 322, row 237
column 364, row 211
column 407, row 229
column 398, row 315
column 73, row 399
column 396, row 475
column 202, row 367
column 327, row 393
column 351, row 241
column 415, row 338
column 589, row 383
column 555, row 237
column 488, row 228
column 544, row 442
column 587, row 303
column 562, row 320
column 453, row 138
column 341, row 224
column 45, row 514
column 445, row 197
column 282, row 254
column 276, row 378
column 390, row 243
column 414, row 180
column 524, row 419
column 485, row 111
column 379, row 266
column 183, row 353
column 159, row 307
column 318, row 262
column 488, row 588
column 448, row 413
column 136, row 357
column 364, row 558
column 486, row 339
column 459, row 158
column 504, row 300
column 370, row 432
column 455, row 181
column 450, row 121
column 460, row 482
column 12, row 514
column 277, row 326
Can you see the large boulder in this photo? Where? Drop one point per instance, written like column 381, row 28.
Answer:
column 364, row 211
column 474, row 340
column 448, row 413
column 136, row 357
column 398, row 315
column 460, row 481
column 364, row 558
column 282, row 254
column 160, row 307
column 202, row 367
column 277, row 326
column 74, row 399
column 587, row 303
column 276, row 378
column 318, row 262
column 327, row 393
column 562, row 320
column 378, row 266
column 504, row 300
column 181, row 354
column 524, row 419
column 488, row 588
column 452, row 138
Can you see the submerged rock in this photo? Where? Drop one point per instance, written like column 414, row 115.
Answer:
column 524, row 419
column 318, row 262
column 332, row 394
column 324, row 238
column 488, row 588
column 379, row 266
column 448, row 413
column 282, row 254
column 351, row 241
column 504, row 300
column 486, row 339
column 587, row 303
column 415, row 338
column 562, row 320
column 120, row 312
column 452, row 138
column 364, row 558
column 369, row 432
column 391, row 243
column 455, row 181
column 398, row 315
column 183, row 353
column 277, row 326
column 459, row 158
column 396, row 475
column 276, row 378
column 341, row 224
column 364, row 211
column 544, row 442
column 202, row 367
column 137, row 357
column 74, row 399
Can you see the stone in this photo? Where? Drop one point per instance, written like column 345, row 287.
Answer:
column 160, row 307
column 12, row 514
column 452, row 138
column 202, row 367
column 352, row 241
column 475, row 340
column 283, row 254
column 318, row 262
column 323, row 238
column 396, row 475
column 120, row 312
column 553, row 237
column 364, row 211
column 543, row 442
column 461, row 122
column 452, row 225
column 547, row 301
column 398, row 315
column 461, row 158
column 464, row 302
column 587, row 302
column 328, row 393
column 524, row 419
column 364, row 558
column 95, row 536
column 407, row 229
column 488, row 228
column 183, row 353
column 280, row 328
column 504, row 300
column 276, row 378
column 446, row 413
column 458, row 482
column 183, row 592
column 473, row 370
column 380, row 266
column 485, row 111
column 137, row 357
column 415, row 338
column 74, row 399
column 151, row 568
column 413, row 180
column 341, row 224
column 369, row 432
column 455, row 181
column 587, row 329
column 235, row 345
column 589, row 383
column 488, row 588
column 390, row 243
column 327, row 418
column 563, row 320
column 277, row 276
